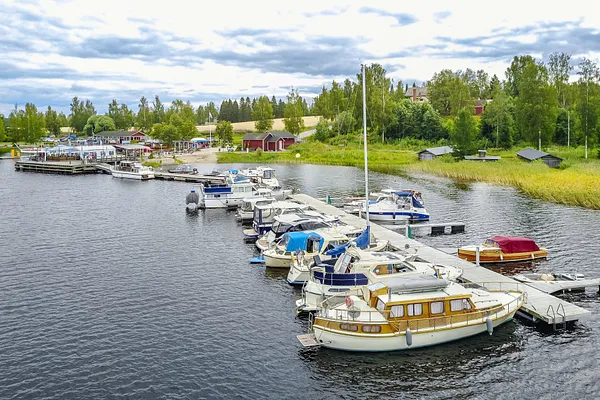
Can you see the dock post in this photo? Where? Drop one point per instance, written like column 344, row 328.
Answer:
column 408, row 232
column 477, row 255
column 328, row 199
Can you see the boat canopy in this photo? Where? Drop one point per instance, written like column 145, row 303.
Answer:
column 361, row 241
column 513, row 244
column 294, row 241
column 414, row 195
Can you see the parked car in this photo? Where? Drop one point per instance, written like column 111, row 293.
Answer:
column 184, row 169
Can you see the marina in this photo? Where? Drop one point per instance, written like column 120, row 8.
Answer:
column 155, row 303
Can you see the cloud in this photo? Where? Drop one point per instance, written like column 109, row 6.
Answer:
column 441, row 16
column 401, row 18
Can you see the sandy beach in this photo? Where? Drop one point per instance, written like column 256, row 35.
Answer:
column 198, row 157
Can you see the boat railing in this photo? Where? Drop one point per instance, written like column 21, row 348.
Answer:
column 416, row 324
column 496, row 286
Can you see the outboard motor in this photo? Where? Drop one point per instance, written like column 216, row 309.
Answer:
column 192, row 198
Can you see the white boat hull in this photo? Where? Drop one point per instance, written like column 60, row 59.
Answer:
column 221, row 202
column 398, row 341
column 132, row 175
column 277, row 261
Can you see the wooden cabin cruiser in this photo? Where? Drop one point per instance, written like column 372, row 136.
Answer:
column 132, row 170
column 309, row 243
column 308, row 221
column 358, row 267
column 501, row 249
column 264, row 216
column 398, row 205
column 245, row 212
column 411, row 313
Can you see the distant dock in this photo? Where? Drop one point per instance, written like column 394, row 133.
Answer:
column 72, row 167
column 539, row 305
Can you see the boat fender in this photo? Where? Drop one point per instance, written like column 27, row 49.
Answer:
column 349, row 302
column 408, row 337
column 489, row 325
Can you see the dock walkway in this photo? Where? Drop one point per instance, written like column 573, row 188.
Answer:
column 539, row 306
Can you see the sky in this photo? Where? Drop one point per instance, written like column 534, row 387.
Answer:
column 209, row 51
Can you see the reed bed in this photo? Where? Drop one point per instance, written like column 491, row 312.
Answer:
column 578, row 184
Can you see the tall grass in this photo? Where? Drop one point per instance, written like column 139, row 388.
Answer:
column 576, row 184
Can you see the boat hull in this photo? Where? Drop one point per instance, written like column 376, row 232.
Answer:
column 498, row 256
column 340, row 340
column 223, row 202
column 397, row 216
column 276, row 260
column 131, row 175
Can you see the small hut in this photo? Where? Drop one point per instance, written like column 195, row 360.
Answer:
column 529, row 154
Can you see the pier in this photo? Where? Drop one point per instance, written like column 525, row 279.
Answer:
column 73, row 167
column 168, row 176
column 538, row 307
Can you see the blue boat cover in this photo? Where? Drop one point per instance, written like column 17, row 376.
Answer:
column 297, row 240
column 361, row 241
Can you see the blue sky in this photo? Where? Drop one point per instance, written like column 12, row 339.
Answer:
column 199, row 51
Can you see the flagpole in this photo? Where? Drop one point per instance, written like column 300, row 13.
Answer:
column 364, row 98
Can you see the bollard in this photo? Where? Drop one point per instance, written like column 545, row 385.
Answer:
column 408, row 233
column 477, row 255
column 328, row 199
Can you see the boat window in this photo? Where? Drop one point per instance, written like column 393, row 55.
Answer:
column 459, row 305
column 344, row 263
column 415, row 309
column 437, row 307
column 380, row 305
column 371, row 328
column 267, row 174
column 349, row 327
column 397, row 311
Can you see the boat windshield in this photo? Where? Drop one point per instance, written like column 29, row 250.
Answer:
column 280, row 227
column 268, row 174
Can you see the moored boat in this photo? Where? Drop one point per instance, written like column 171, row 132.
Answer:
column 502, row 249
column 396, row 206
column 132, row 170
column 411, row 313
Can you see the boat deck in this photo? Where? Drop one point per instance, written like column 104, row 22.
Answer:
column 539, row 305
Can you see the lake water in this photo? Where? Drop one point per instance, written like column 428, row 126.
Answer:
column 110, row 289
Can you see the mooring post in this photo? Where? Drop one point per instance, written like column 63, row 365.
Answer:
column 477, row 255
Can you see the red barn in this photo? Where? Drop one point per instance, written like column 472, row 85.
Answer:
column 268, row 141
column 479, row 106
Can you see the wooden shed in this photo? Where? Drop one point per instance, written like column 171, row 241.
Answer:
column 430, row 154
column 529, row 154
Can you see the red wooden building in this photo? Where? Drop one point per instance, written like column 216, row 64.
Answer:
column 268, row 141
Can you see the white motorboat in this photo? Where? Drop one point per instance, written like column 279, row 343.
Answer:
column 264, row 216
column 292, row 223
column 357, row 267
column 410, row 313
column 262, row 176
column 132, row 170
column 245, row 212
column 226, row 195
column 395, row 206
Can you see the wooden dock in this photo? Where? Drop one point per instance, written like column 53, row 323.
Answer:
column 168, row 176
column 75, row 167
column 539, row 306
column 429, row 229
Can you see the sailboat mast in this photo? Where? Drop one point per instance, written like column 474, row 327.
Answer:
column 364, row 99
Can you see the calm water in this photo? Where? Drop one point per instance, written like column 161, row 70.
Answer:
column 109, row 288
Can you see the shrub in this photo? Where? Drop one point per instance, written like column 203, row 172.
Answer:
column 259, row 152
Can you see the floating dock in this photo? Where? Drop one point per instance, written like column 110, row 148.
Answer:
column 74, row 167
column 539, row 305
column 429, row 229
column 189, row 177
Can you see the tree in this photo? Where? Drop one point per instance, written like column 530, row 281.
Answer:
column 262, row 114
column 588, row 106
column 158, row 110
column 62, row 120
column 450, row 91
column 463, row 134
column 536, row 105
column 494, row 85
column 99, row 123
column 212, row 112
column 165, row 132
column 224, row 131
column 145, row 118
column 514, row 73
column 343, row 124
column 293, row 121
column 559, row 70
column 3, row 136
column 35, row 123
column 80, row 112
column 497, row 123
column 16, row 128
column 52, row 122
column 323, row 130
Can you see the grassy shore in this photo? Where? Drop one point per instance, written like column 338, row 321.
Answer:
column 577, row 183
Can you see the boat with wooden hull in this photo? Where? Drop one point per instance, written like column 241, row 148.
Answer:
column 413, row 313
column 504, row 249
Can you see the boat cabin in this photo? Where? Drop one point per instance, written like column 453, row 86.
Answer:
column 264, row 214
column 130, row 166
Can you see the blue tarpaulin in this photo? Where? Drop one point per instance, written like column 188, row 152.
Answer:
column 297, row 240
column 361, row 241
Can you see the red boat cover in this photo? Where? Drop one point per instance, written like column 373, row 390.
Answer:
column 515, row 244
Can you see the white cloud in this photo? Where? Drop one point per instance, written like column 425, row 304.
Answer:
column 126, row 49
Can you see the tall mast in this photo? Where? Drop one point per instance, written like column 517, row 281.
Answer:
column 364, row 98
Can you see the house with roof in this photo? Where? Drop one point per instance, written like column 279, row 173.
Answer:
column 417, row 94
column 122, row 136
column 268, row 141
column 430, row 154
column 529, row 154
